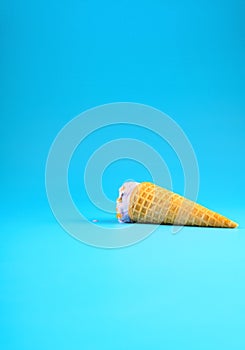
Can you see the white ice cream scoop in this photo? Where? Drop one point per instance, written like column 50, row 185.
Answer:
column 123, row 201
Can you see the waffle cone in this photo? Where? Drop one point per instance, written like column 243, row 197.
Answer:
column 153, row 204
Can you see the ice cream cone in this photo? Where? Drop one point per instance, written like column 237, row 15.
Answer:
column 148, row 203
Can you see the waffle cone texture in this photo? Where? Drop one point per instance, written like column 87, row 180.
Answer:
column 153, row 204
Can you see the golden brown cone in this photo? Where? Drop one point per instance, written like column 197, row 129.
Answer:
column 150, row 203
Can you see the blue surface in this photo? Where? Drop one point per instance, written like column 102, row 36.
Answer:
column 185, row 58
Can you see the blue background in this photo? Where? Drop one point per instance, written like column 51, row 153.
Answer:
column 59, row 58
